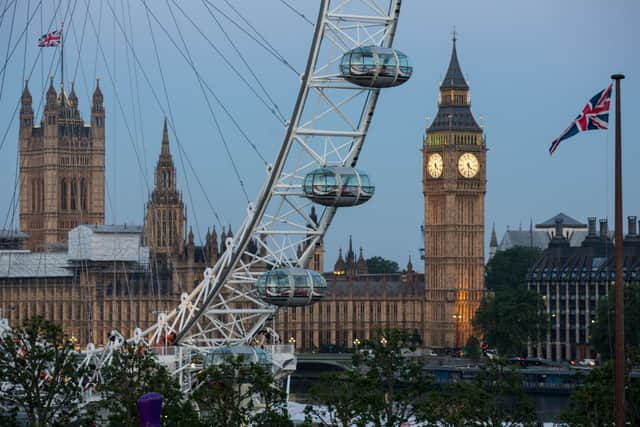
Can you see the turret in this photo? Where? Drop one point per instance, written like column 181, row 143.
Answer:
column 493, row 244
column 50, row 113
column 73, row 99
column 26, row 111
column 97, row 113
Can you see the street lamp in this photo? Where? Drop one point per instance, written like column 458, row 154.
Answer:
column 356, row 342
column 457, row 318
column 383, row 341
column 292, row 340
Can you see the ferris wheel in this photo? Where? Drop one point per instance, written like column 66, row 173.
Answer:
column 350, row 60
column 263, row 264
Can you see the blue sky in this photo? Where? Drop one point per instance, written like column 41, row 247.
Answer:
column 531, row 65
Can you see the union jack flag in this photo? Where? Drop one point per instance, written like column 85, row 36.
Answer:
column 50, row 39
column 594, row 115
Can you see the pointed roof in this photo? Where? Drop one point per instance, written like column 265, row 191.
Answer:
column 566, row 221
column 454, row 116
column 454, row 79
column 97, row 94
column 51, row 92
column 165, row 139
column 26, row 95
column 494, row 238
column 72, row 95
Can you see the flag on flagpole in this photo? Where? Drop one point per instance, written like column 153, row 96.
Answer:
column 53, row 39
column 594, row 116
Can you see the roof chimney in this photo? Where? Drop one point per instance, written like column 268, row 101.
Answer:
column 592, row 226
column 558, row 227
column 604, row 229
column 633, row 224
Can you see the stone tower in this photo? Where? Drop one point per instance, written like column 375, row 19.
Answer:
column 454, row 185
column 61, row 167
column 164, row 220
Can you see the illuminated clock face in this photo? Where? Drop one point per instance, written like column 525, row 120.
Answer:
column 468, row 165
column 434, row 165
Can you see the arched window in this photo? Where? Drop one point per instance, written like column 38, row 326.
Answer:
column 33, row 196
column 41, row 208
column 83, row 194
column 74, row 193
column 63, row 194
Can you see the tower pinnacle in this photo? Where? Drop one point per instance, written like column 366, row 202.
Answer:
column 165, row 139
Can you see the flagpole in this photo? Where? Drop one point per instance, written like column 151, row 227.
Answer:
column 62, row 56
column 619, row 253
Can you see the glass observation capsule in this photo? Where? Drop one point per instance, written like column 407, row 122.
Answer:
column 373, row 66
column 291, row 287
column 338, row 186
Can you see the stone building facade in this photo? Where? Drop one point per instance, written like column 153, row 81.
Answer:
column 454, row 186
column 61, row 167
column 573, row 279
column 353, row 308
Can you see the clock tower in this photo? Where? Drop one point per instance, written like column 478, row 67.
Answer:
column 454, row 185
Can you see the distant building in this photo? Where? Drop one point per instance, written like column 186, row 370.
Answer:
column 572, row 279
column 454, row 185
column 540, row 236
column 12, row 239
column 355, row 305
column 61, row 167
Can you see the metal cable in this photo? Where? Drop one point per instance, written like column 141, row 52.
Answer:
column 244, row 61
column 297, row 12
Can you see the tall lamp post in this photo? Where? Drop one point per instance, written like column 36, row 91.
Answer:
column 456, row 319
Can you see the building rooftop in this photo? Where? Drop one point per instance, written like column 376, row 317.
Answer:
column 13, row 234
column 567, row 222
column 19, row 264
column 114, row 228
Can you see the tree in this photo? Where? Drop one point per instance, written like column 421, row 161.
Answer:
column 472, row 348
column 384, row 388
column 602, row 331
column 592, row 403
column 510, row 317
column 228, row 394
column 508, row 269
column 134, row 371
column 495, row 398
column 379, row 265
column 39, row 374
column 341, row 393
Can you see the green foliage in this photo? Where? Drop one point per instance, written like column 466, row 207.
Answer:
column 509, row 317
column 472, row 348
column 39, row 374
column 384, row 388
column 341, row 394
column 602, row 332
column 495, row 397
column 592, row 403
column 508, row 269
column 379, row 265
column 134, row 371
column 227, row 395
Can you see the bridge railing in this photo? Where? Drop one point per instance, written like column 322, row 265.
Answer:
column 280, row 348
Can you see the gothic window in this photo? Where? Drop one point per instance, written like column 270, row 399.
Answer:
column 74, row 192
column 83, row 194
column 41, row 208
column 164, row 179
column 63, row 194
column 164, row 228
column 33, row 196
column 168, row 179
